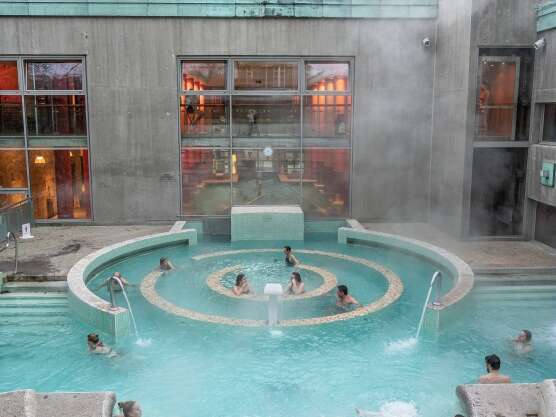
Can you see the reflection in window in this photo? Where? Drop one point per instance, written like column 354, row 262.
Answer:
column 56, row 115
column 327, row 76
column 206, row 176
column 200, row 76
column 496, row 98
column 11, row 118
column 327, row 116
column 549, row 129
column 257, row 75
column 12, row 169
column 266, row 178
column 268, row 116
column 204, row 116
column 60, row 184
column 8, row 75
column 504, row 90
column 498, row 191
column 8, row 199
column 60, row 75
column 326, row 182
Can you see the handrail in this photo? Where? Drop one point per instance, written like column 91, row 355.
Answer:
column 11, row 236
column 15, row 205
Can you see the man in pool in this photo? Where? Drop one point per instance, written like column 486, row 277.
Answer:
column 165, row 265
column 522, row 343
column 493, row 375
column 290, row 259
column 343, row 298
column 242, row 286
column 113, row 282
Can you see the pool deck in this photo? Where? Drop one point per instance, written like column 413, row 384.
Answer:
column 493, row 256
column 55, row 249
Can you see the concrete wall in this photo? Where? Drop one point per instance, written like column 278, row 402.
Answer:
column 463, row 27
column 451, row 90
column 133, row 114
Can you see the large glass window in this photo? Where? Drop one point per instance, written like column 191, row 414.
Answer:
column 60, row 183
column 13, row 173
column 265, row 122
column 549, row 127
column 259, row 75
column 327, row 76
column 8, row 75
column 269, row 116
column 56, row 115
column 8, row 199
column 504, row 89
column 206, row 176
column 266, row 177
column 44, row 154
column 201, row 76
column 326, row 182
column 498, row 191
column 54, row 75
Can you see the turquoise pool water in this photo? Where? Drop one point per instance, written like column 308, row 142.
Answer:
column 196, row 369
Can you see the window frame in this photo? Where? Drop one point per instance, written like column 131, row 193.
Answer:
column 228, row 143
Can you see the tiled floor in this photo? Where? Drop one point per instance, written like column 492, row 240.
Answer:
column 480, row 255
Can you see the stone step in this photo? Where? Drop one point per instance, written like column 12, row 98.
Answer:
column 46, row 286
column 23, row 295
column 505, row 289
column 32, row 303
column 33, row 312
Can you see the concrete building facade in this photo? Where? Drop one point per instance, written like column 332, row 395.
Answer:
column 419, row 135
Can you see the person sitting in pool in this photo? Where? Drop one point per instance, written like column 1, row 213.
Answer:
column 296, row 285
column 522, row 343
column 114, row 283
column 165, row 265
column 343, row 297
column 242, row 286
column 96, row 346
column 290, row 259
column 130, row 409
column 493, row 375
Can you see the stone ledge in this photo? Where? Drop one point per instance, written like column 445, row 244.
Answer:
column 458, row 268
column 509, row 400
column 96, row 311
column 28, row 403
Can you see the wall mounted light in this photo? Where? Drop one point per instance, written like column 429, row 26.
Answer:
column 39, row 159
column 541, row 43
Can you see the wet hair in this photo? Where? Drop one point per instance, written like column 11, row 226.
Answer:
column 494, row 361
column 288, row 248
column 297, row 276
column 163, row 259
column 458, row 415
column 239, row 278
column 528, row 335
column 126, row 407
column 343, row 288
column 93, row 338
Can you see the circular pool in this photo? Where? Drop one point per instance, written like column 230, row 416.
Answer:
column 189, row 366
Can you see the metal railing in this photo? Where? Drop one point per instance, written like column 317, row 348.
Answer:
column 15, row 215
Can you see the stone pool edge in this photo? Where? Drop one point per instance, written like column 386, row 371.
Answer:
column 462, row 272
column 97, row 312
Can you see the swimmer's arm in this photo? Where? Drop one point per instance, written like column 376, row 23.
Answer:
column 294, row 259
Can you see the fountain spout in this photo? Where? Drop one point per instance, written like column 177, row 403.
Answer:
column 114, row 279
column 273, row 291
column 435, row 281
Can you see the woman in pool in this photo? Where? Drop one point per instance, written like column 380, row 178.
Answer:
column 296, row 285
column 96, row 346
column 242, row 286
column 130, row 409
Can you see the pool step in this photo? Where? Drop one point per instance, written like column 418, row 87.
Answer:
column 34, row 307
column 45, row 286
